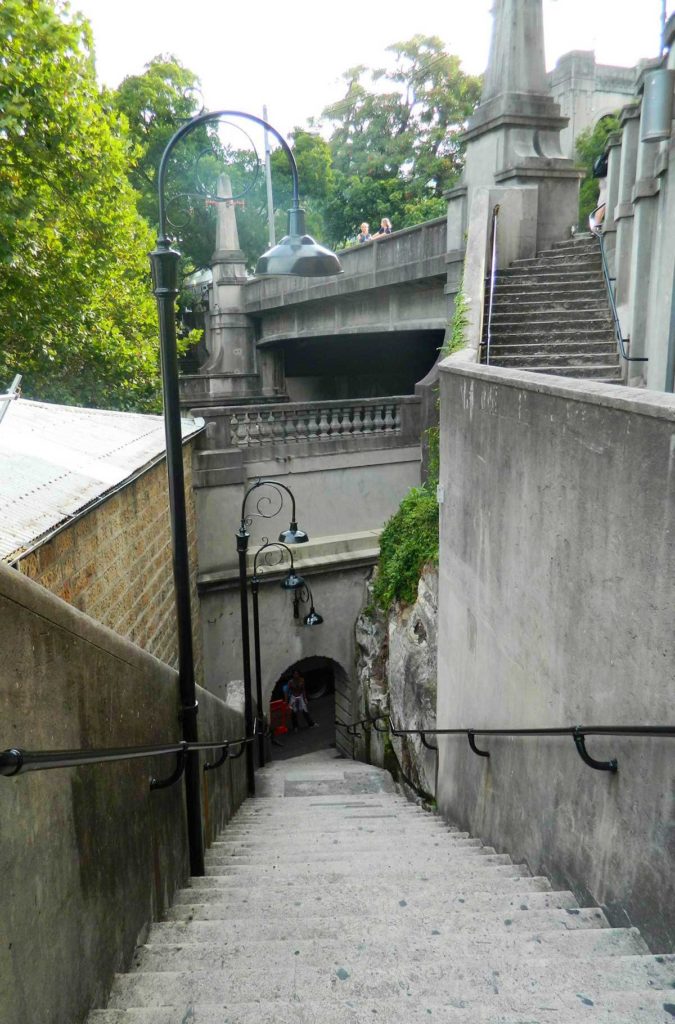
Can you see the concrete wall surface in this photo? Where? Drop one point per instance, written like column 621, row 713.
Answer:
column 556, row 609
column 335, row 496
column 89, row 856
column 339, row 591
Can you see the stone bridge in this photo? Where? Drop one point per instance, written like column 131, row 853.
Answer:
column 303, row 338
column 394, row 283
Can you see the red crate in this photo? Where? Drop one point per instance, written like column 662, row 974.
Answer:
column 279, row 715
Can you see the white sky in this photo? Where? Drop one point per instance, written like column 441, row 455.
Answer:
column 242, row 51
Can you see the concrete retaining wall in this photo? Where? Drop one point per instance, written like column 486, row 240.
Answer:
column 89, row 856
column 556, row 608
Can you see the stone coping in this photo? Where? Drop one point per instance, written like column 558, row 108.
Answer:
column 657, row 404
column 331, row 553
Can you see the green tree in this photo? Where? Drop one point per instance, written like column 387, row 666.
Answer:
column 77, row 317
column 406, row 128
column 590, row 145
column 155, row 104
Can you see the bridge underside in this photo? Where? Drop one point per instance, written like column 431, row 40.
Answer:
column 365, row 365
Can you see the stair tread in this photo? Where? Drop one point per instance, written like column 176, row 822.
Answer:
column 626, row 1007
column 362, row 979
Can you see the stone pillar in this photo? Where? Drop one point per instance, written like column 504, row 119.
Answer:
column 645, row 205
column 660, row 296
column 613, row 148
column 513, row 137
column 623, row 211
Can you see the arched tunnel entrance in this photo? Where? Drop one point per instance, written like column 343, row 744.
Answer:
column 325, row 681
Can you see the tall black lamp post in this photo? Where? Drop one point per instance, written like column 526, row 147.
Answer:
column 296, row 254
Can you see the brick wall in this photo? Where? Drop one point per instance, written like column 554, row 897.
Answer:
column 114, row 564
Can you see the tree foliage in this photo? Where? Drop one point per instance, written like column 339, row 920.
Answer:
column 590, row 145
column 77, row 317
column 395, row 137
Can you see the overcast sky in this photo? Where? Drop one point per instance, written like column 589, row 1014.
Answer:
column 291, row 56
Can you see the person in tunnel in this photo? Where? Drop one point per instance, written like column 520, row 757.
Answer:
column 297, row 701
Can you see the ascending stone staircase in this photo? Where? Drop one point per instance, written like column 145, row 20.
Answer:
column 330, row 899
column 551, row 314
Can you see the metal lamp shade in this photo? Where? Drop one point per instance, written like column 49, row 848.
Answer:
column 292, row 581
column 293, row 535
column 297, row 254
column 313, row 618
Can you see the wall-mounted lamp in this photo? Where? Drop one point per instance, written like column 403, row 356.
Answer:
column 304, row 594
column 657, row 105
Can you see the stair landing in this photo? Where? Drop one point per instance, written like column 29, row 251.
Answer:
column 330, row 899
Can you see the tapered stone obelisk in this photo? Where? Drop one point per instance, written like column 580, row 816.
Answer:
column 513, row 137
column 228, row 372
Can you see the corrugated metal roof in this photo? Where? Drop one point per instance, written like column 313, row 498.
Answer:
column 56, row 459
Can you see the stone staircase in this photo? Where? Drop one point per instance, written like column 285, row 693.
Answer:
column 330, row 899
column 551, row 314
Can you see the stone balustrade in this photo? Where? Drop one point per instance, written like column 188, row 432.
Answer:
column 314, row 421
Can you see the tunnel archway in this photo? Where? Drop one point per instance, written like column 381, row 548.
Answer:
column 327, row 685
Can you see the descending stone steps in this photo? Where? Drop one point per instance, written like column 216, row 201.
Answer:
column 361, row 907
column 556, row 302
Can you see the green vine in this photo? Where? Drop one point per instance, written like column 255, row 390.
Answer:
column 460, row 319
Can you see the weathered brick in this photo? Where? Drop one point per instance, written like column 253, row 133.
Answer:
column 114, row 564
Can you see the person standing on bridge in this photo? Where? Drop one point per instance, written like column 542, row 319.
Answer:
column 384, row 228
column 364, row 233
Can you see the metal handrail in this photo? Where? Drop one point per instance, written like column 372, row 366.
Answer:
column 621, row 341
column 577, row 732
column 493, row 279
column 17, row 761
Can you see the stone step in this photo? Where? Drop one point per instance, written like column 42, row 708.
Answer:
column 358, row 977
column 540, row 278
column 608, row 374
column 578, row 241
column 368, row 856
column 466, row 873
column 353, row 822
column 332, row 844
column 350, row 926
column 284, row 905
column 615, row 1007
column 544, row 345
column 535, row 335
column 361, row 826
column 389, row 949
column 548, row 308
column 413, row 868
column 546, row 358
column 584, row 248
column 566, row 319
column 560, row 261
column 580, row 290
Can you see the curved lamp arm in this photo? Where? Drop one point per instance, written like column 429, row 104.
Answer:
column 272, row 544
column 273, row 484
column 201, row 119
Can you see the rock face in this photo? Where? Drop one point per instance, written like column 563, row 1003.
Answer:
column 396, row 674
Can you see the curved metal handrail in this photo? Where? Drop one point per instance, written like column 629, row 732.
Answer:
column 596, row 229
column 17, row 761
column 577, row 732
